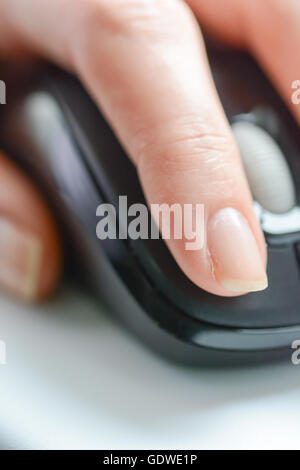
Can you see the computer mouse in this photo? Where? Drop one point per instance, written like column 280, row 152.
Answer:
column 56, row 131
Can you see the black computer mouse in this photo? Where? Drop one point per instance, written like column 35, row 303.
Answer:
column 54, row 128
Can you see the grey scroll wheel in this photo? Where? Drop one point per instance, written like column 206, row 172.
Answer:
column 268, row 174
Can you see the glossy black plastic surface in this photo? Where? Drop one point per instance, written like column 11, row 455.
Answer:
column 60, row 134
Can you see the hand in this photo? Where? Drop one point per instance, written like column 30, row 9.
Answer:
column 144, row 63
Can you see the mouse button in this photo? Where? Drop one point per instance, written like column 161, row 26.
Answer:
column 275, row 307
column 283, row 271
column 106, row 159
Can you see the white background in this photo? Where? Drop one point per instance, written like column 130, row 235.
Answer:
column 75, row 379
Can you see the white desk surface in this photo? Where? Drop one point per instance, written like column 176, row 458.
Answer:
column 76, row 379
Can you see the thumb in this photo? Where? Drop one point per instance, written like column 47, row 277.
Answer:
column 30, row 250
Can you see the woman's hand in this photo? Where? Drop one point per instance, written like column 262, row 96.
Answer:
column 144, row 62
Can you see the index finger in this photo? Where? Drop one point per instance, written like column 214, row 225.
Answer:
column 145, row 64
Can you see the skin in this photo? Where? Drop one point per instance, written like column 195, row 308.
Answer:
column 159, row 98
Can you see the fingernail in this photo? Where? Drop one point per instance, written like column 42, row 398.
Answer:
column 237, row 260
column 20, row 260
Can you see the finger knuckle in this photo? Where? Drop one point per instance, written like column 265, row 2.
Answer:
column 127, row 17
column 207, row 158
column 211, row 150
